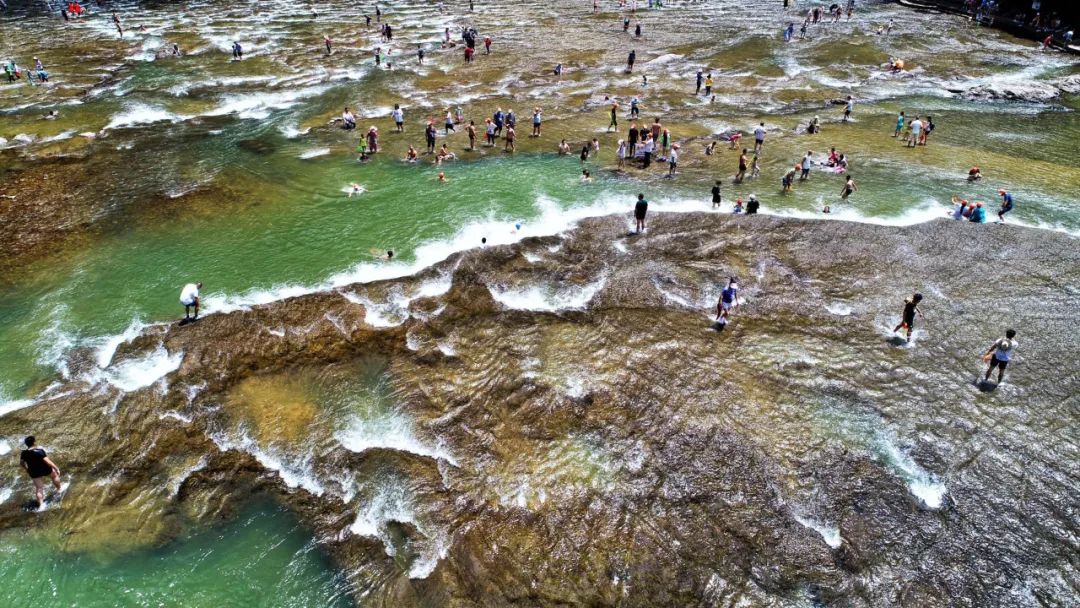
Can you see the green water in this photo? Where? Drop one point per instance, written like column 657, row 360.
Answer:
column 260, row 559
column 225, row 197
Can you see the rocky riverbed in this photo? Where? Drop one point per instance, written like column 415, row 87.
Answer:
column 556, row 422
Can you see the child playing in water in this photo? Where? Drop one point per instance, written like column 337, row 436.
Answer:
column 907, row 319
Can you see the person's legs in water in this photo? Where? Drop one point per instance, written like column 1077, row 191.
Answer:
column 995, row 362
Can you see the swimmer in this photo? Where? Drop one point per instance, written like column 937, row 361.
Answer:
column 442, row 178
column 564, row 148
column 978, row 215
column 411, row 155
column 907, row 319
column 974, row 174
column 38, row 466
column 849, row 188
column 586, row 176
column 961, row 207
column 355, row 189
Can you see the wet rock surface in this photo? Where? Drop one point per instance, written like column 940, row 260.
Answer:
column 557, row 423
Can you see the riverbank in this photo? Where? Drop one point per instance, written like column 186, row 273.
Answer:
column 433, row 430
column 1018, row 24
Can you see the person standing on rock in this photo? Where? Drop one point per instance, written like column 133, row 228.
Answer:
column 848, row 108
column 729, row 299
column 1000, row 354
column 716, row 198
column 640, row 209
column 1006, row 205
column 38, row 466
column 759, row 138
column 700, row 80
column 237, row 51
column 189, row 298
column 907, row 319
column 630, row 59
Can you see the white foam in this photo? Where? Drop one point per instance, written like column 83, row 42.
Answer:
column 104, row 353
column 259, row 105
column 176, row 482
column 829, row 534
column 838, row 308
column 10, row 405
column 136, row 114
column 296, row 472
column 391, row 432
column 140, row 372
column 5, row 448
column 393, row 502
column 313, row 153
column 923, row 485
column 547, row 298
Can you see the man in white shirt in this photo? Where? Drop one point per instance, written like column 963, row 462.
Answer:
column 759, row 137
column 916, row 132
column 1000, row 354
column 189, row 297
column 399, row 117
column 349, row 119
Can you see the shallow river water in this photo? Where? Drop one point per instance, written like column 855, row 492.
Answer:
column 165, row 170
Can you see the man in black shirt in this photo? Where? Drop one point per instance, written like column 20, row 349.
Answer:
column 716, row 200
column 38, row 467
column 640, row 208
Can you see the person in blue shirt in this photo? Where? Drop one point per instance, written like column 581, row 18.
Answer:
column 729, row 298
column 1006, row 205
column 978, row 215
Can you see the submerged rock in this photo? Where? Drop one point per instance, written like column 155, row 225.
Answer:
column 562, row 425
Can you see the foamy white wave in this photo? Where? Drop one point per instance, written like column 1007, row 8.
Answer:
column 259, row 105
column 313, row 153
column 292, row 131
column 103, row 354
column 142, row 114
column 5, row 493
column 838, row 308
column 140, row 372
column 923, row 485
column 547, row 298
column 926, row 211
column 176, row 482
column 5, row 448
column 392, row 431
column 60, row 136
column 223, row 303
column 829, row 534
column 296, row 472
column 394, row 502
